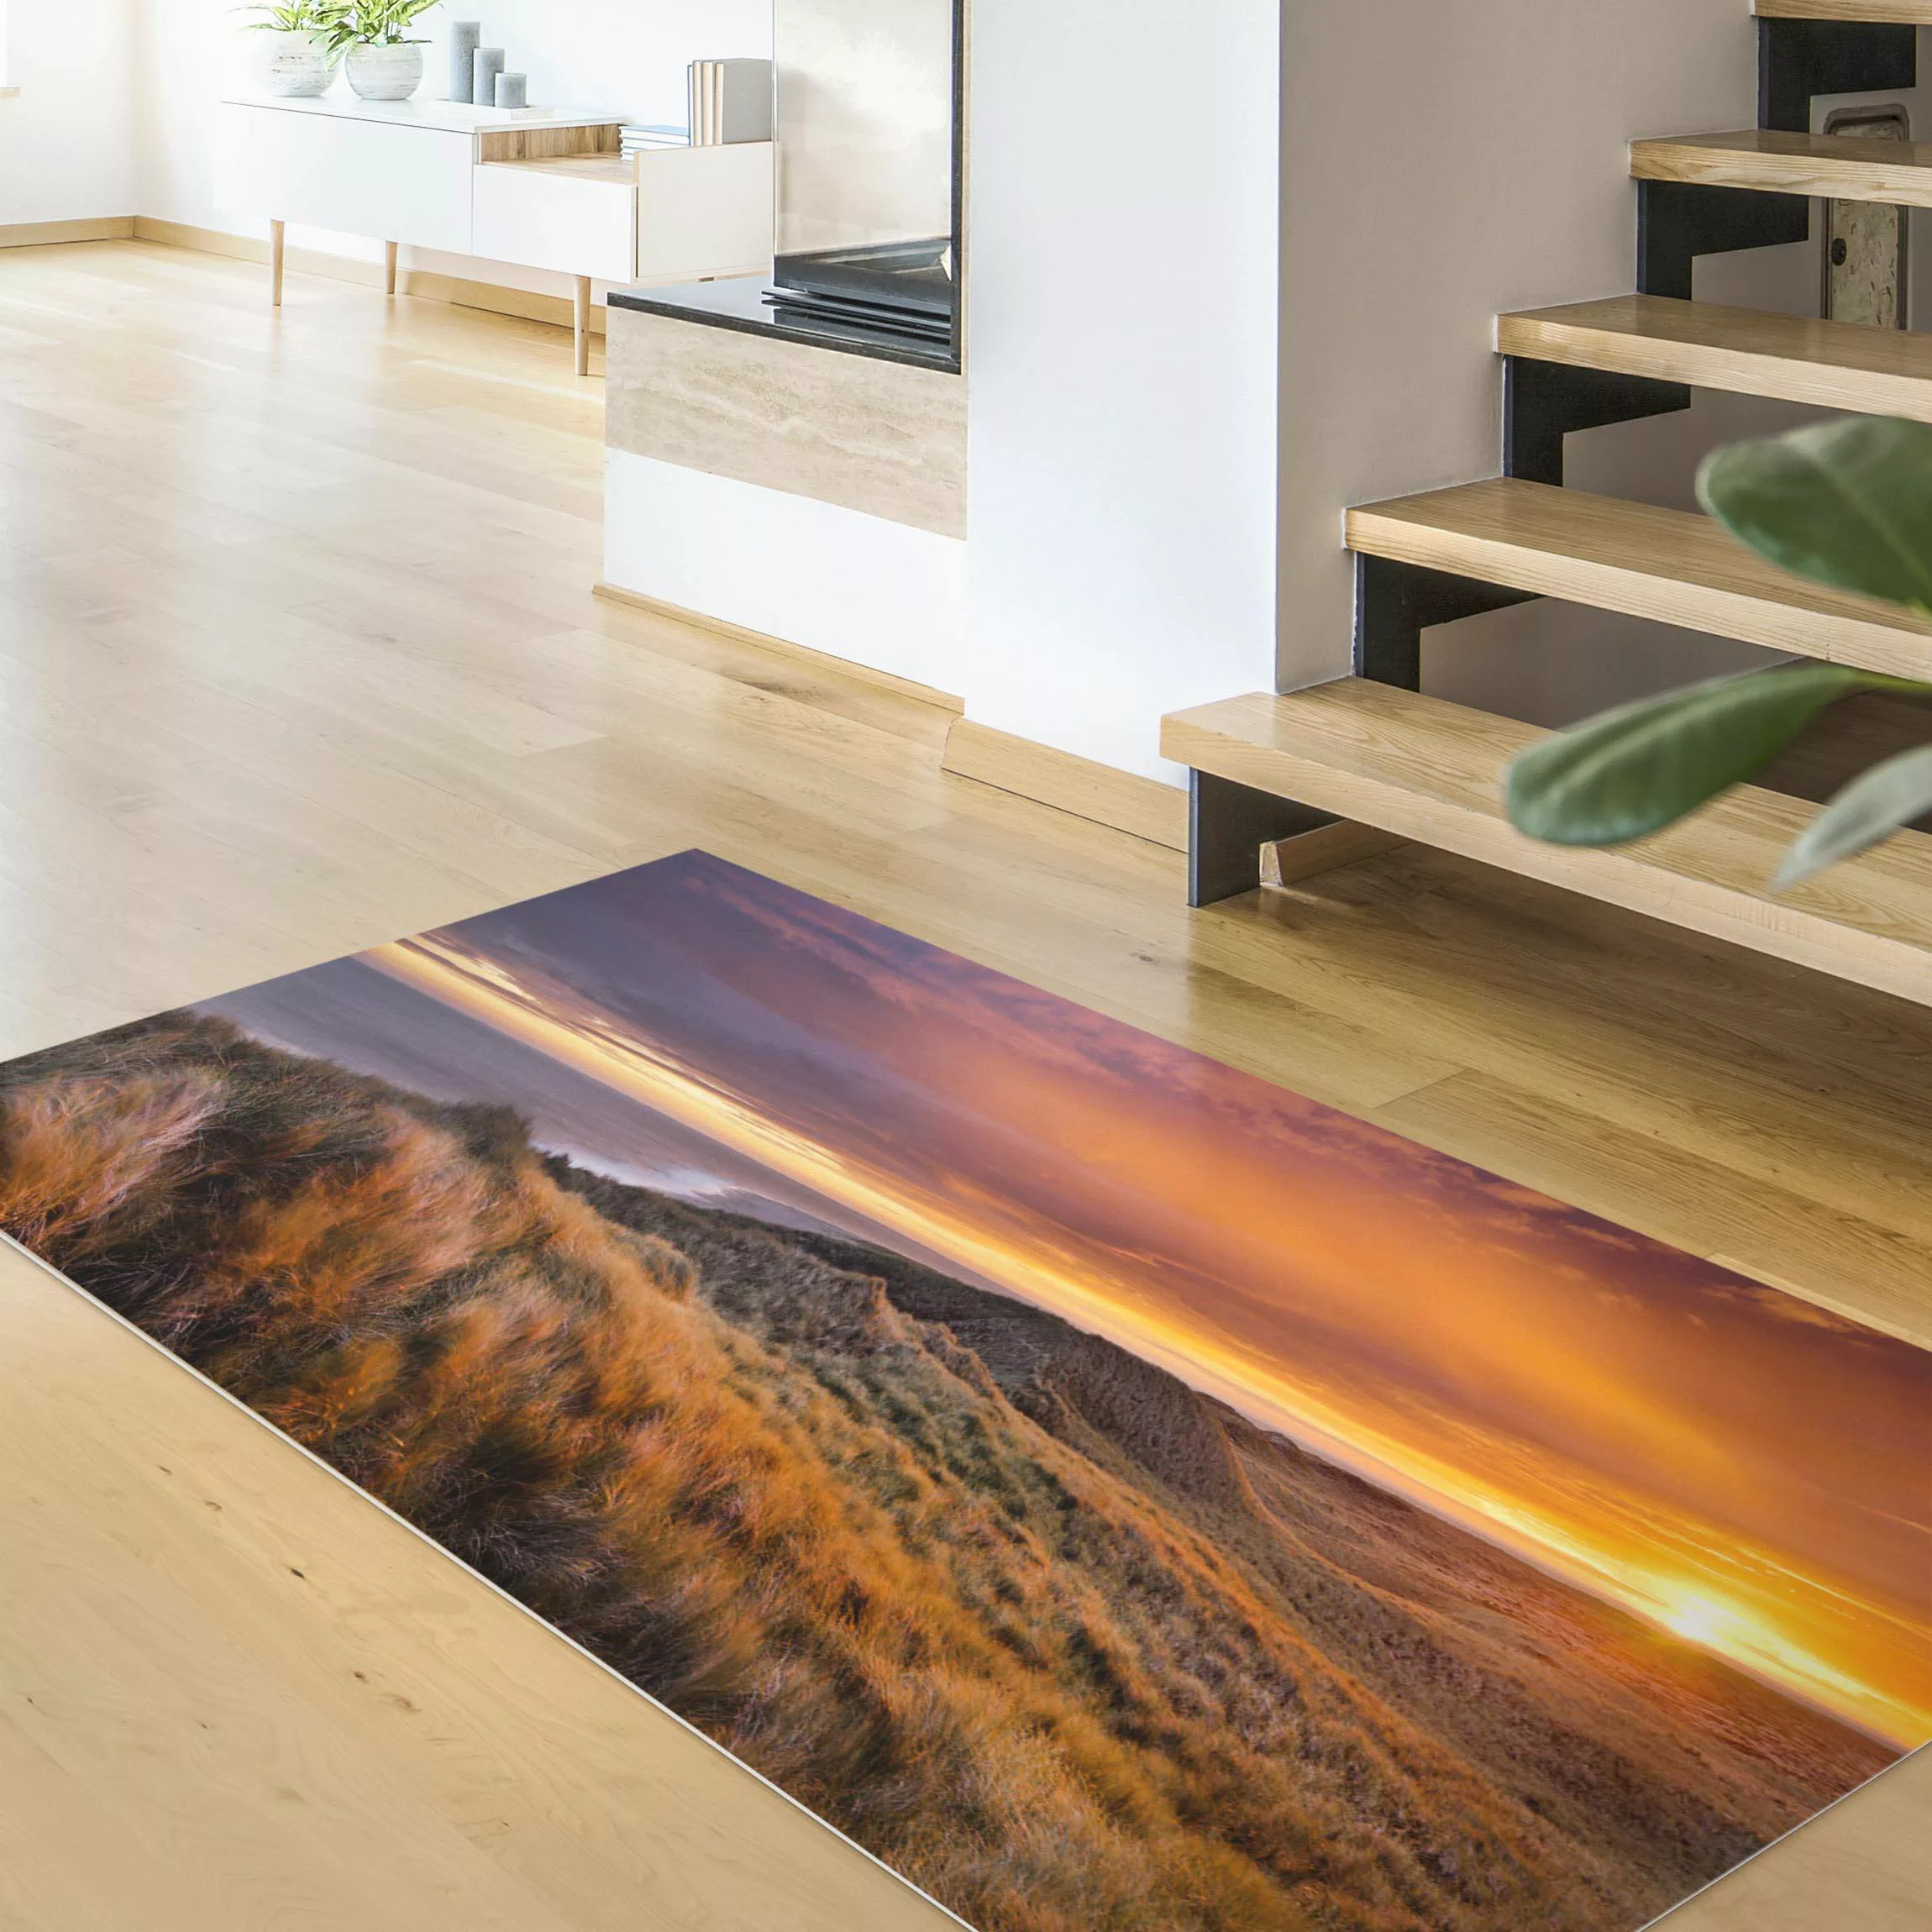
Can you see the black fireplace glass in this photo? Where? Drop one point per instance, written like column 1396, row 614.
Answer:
column 869, row 142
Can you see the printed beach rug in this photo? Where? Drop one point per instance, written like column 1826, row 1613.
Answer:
column 1117, row 1492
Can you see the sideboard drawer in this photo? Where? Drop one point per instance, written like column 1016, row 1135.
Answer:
column 561, row 214
column 357, row 177
column 704, row 211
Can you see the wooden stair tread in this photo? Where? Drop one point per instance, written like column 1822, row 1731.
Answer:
column 1834, row 365
column 1425, row 769
column 1863, row 13
column 1839, row 166
column 1669, row 565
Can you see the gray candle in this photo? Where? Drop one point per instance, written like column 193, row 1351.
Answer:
column 512, row 90
column 463, row 36
column 484, row 68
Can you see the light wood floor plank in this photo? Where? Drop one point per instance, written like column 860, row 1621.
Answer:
column 298, row 652
column 1866, row 1866
column 370, row 1734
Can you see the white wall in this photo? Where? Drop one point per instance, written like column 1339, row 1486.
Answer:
column 67, row 138
column 1205, row 318
column 1121, row 267
column 623, row 56
column 1227, row 274
column 881, row 593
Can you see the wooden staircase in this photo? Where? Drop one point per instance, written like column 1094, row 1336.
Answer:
column 1674, row 567
column 1834, row 364
column 1770, row 162
column 1371, row 750
column 1425, row 770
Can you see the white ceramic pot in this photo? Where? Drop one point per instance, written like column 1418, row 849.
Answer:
column 392, row 73
column 292, row 65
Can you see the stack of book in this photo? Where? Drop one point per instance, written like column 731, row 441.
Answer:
column 637, row 139
column 731, row 101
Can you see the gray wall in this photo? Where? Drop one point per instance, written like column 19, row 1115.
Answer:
column 1442, row 160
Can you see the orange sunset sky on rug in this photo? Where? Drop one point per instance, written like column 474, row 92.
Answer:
column 1729, row 1463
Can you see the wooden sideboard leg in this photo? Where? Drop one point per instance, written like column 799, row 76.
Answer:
column 581, row 315
column 276, row 230
column 389, row 252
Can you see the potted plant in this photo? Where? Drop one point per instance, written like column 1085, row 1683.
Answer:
column 289, row 55
column 384, row 63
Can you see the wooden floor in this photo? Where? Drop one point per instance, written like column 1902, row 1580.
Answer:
column 296, row 654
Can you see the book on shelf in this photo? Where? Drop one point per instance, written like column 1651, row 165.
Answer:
column 635, row 138
column 730, row 101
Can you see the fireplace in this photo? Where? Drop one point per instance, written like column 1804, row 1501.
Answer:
column 869, row 156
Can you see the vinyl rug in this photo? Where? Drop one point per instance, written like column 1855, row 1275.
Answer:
column 1117, row 1492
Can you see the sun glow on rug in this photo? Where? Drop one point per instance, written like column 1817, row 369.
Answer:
column 1731, row 1608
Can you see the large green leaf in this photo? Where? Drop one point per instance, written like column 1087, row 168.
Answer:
column 1635, row 769
column 1873, row 806
column 1847, row 504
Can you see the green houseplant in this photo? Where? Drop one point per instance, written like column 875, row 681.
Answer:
column 1847, row 504
column 385, row 61
column 289, row 51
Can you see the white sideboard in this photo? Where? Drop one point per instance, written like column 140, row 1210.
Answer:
column 532, row 187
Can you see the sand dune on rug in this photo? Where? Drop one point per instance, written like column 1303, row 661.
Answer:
column 1068, row 1643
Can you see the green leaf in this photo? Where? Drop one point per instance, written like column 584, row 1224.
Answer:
column 1635, row 769
column 1874, row 806
column 1847, row 504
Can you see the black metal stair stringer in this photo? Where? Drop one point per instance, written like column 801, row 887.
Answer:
column 1797, row 60
column 1543, row 401
column 1395, row 603
column 1228, row 824
column 1678, row 220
